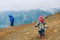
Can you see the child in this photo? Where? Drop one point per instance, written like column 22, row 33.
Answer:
column 41, row 24
column 11, row 20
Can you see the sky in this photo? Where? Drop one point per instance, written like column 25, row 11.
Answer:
column 28, row 4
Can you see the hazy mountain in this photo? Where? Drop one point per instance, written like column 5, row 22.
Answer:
column 53, row 10
column 21, row 17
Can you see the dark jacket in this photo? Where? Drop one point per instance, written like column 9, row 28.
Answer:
column 11, row 18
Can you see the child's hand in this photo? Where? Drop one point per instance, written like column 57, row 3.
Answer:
column 35, row 26
column 47, row 27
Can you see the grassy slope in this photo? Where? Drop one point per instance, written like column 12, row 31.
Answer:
column 29, row 32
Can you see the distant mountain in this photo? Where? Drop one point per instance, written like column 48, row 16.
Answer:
column 21, row 17
column 53, row 10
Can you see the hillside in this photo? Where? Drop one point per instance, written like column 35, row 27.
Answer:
column 29, row 32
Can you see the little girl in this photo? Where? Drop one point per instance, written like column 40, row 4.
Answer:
column 41, row 24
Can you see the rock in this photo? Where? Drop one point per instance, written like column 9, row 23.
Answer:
column 50, row 38
column 55, row 30
column 27, row 33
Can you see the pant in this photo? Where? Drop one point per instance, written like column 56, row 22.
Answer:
column 12, row 24
column 41, row 33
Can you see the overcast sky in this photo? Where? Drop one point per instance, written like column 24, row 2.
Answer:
column 28, row 4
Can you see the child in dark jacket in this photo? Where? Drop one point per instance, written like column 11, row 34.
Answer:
column 11, row 20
